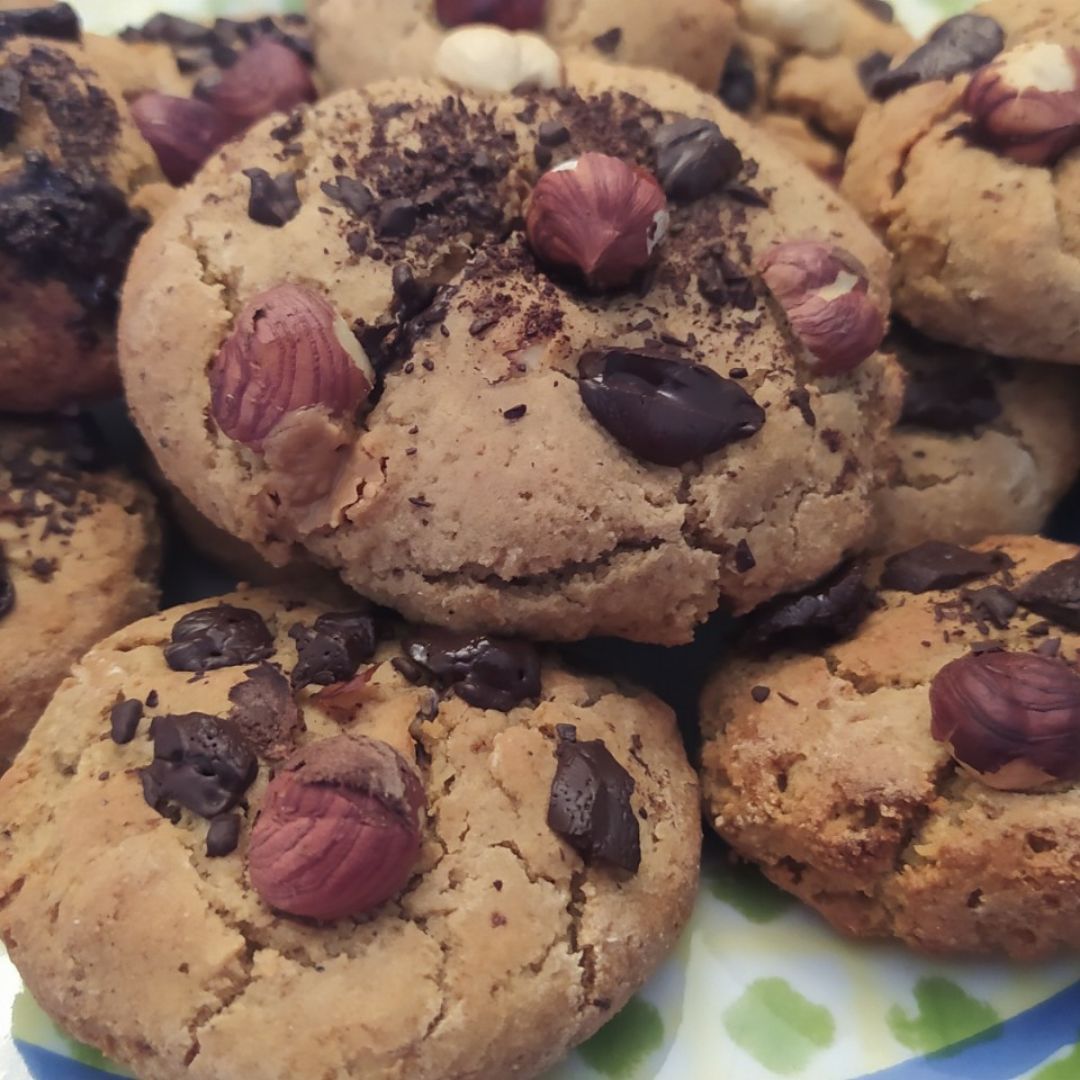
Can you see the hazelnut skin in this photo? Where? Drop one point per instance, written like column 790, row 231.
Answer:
column 825, row 293
column 1026, row 103
column 289, row 350
column 509, row 14
column 1010, row 719
column 182, row 132
column 339, row 831
column 597, row 216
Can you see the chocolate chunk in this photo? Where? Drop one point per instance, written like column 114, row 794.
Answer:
column 694, row 158
column 516, row 413
column 949, row 398
column 397, row 218
column 960, row 44
column 590, row 806
column 738, row 84
column 609, row 41
column 871, row 67
column 124, row 720
column 934, row 565
column 552, row 133
column 760, row 694
column 152, row 700
column 665, row 411
column 223, row 835
column 722, row 281
column 218, row 637
column 744, row 558
column 1049, row 647
column 58, row 21
column 486, row 672
column 274, row 199
column 993, row 604
column 831, row 609
column 351, row 193
column 412, row 295
column 800, row 398
column 170, row 30
column 330, row 651
column 880, row 9
column 266, row 712
column 200, row 762
column 1055, row 594
column 10, row 102
column 7, row 586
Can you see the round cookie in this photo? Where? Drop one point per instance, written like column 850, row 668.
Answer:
column 974, row 197
column 506, row 946
column 361, row 41
column 802, row 70
column 984, row 446
column 476, row 355
column 78, row 559
column 821, row 766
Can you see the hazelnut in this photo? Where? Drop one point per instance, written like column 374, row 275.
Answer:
column 598, row 216
column 825, row 293
column 509, row 14
column 269, row 77
column 289, row 350
column 815, row 26
column 339, row 830
column 182, row 132
column 1026, row 104
column 1010, row 719
column 490, row 60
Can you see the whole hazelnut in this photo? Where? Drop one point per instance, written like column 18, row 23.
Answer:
column 825, row 293
column 339, row 831
column 289, row 350
column 182, row 132
column 509, row 14
column 269, row 77
column 490, row 60
column 598, row 216
column 1011, row 719
column 1026, row 103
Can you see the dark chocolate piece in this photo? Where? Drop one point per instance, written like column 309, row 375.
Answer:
column 609, row 41
column 1055, row 594
column 351, row 193
column 7, row 586
column 223, row 835
column 935, row 565
column 993, row 604
column 124, row 720
column 10, row 103
column 266, row 712
column 738, row 84
column 330, row 651
column 693, row 159
column 274, row 200
column 58, row 21
column 217, row 637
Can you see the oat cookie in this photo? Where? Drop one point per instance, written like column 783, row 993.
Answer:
column 516, row 847
column 825, row 765
column 78, row 559
column 969, row 169
column 506, row 449
column 984, row 446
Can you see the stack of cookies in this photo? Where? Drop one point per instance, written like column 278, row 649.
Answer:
column 480, row 328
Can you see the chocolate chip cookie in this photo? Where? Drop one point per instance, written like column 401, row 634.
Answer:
column 310, row 845
column 803, row 68
column 78, row 560
column 906, row 762
column 968, row 167
column 984, row 446
column 433, row 352
column 360, row 41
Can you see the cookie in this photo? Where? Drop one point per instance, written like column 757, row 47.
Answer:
column 825, row 766
column 518, row 847
column 984, row 446
column 76, row 182
column 974, row 194
column 492, row 478
column 361, row 41
column 78, row 559
column 802, row 70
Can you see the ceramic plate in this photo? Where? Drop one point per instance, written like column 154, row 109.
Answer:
column 758, row 987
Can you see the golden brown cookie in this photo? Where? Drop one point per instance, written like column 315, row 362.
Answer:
column 79, row 552
column 486, row 854
column 825, row 766
column 973, row 179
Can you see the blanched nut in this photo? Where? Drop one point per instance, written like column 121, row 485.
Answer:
column 1026, row 103
column 816, row 26
column 488, row 59
column 825, row 293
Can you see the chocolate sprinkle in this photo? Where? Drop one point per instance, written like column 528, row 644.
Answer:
column 744, row 558
column 274, row 200
column 589, row 805
column 223, row 836
column 124, row 720
column 738, row 84
column 665, row 411
column 1055, row 594
column 516, row 413
column 331, row 651
column 993, row 604
column 59, row 22
column 694, row 159
column 935, row 565
column 486, row 672
column 218, row 637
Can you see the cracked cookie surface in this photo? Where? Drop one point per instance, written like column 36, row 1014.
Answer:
column 478, row 492
column 78, row 560
column 504, row 950
column 822, row 769
column 986, row 249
